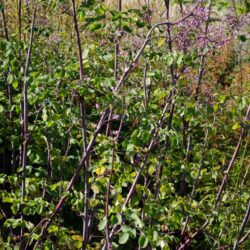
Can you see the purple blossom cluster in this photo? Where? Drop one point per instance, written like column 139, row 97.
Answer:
column 43, row 21
column 237, row 22
column 192, row 32
column 54, row 39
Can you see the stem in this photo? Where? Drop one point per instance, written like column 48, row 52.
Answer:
column 78, row 39
column 20, row 21
column 26, row 134
column 202, row 60
column 144, row 161
column 218, row 198
column 108, row 243
column 183, row 246
column 117, row 44
column 244, row 237
column 10, row 94
column 84, row 132
column 86, row 175
column 197, row 178
column 243, row 224
column 13, row 150
column 5, row 216
column 116, row 67
column 129, row 68
column 108, row 239
column 100, row 123
column 172, row 94
column 74, row 177
column 236, row 151
column 173, row 77
column 146, row 91
column 4, row 21
column 49, row 162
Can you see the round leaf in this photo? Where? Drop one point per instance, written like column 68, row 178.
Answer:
column 102, row 224
column 123, row 238
column 143, row 241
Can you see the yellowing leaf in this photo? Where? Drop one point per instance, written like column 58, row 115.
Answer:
column 95, row 189
column 160, row 42
column 151, row 170
column 194, row 204
column 100, row 170
column 236, row 126
column 77, row 237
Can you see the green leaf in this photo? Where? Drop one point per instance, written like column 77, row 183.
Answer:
column 81, row 16
column 169, row 59
column 143, row 241
column 15, row 84
column 159, row 94
column 179, row 60
column 95, row 26
column 130, row 147
column 119, row 218
column 53, row 228
column 222, row 98
column 125, row 228
column 126, row 28
column 2, row 176
column 8, row 200
column 166, row 247
column 137, row 220
column 10, row 78
column 39, row 209
column 132, row 233
column 16, row 223
column 130, row 230
column 12, row 179
column 123, row 238
column 27, row 210
column 242, row 38
column 15, row 207
column 102, row 224
column 134, row 137
column 29, row 225
column 85, row 53
column 140, row 24
column 100, row 10
column 145, row 136
column 116, row 219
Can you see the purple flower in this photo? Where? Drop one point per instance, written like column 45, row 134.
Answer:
column 192, row 33
column 54, row 39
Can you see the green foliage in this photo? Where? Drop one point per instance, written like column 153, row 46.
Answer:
column 191, row 147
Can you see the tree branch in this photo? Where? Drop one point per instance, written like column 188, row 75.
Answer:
column 26, row 134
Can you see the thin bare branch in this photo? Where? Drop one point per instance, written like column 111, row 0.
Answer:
column 235, row 154
column 74, row 177
column 26, row 133
column 4, row 21
column 133, row 64
column 242, row 227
